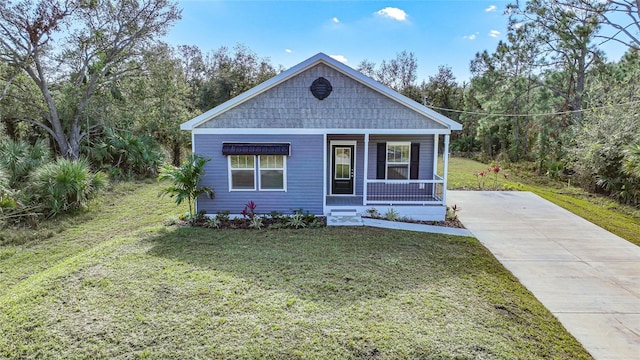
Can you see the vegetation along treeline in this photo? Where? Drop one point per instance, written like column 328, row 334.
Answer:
column 89, row 92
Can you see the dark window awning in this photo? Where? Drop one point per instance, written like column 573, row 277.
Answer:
column 255, row 149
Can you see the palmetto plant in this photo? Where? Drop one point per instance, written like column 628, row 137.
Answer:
column 18, row 159
column 65, row 185
column 125, row 155
column 185, row 181
column 631, row 163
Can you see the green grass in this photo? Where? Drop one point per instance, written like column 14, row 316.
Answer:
column 619, row 219
column 116, row 283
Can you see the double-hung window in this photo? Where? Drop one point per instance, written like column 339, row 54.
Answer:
column 257, row 172
column 271, row 168
column 398, row 160
column 242, row 172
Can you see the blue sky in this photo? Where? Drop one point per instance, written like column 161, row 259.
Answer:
column 447, row 32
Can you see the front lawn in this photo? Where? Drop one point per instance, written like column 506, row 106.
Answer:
column 120, row 284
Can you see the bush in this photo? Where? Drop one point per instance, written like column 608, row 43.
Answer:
column 124, row 155
column 65, row 185
column 18, row 159
column 601, row 151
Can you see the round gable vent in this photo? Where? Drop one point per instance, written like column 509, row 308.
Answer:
column 321, row 88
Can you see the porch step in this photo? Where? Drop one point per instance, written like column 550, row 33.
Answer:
column 344, row 220
column 344, row 212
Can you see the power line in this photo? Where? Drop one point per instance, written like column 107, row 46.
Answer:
column 531, row 115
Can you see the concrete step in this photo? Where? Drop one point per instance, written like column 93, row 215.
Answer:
column 343, row 212
column 344, row 220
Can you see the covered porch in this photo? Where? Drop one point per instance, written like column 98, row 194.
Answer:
column 386, row 170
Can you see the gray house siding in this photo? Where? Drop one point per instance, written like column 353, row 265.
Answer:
column 359, row 169
column 351, row 105
column 426, row 153
column 304, row 175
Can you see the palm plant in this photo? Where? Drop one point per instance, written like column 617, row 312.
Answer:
column 631, row 163
column 19, row 159
column 125, row 155
column 185, row 181
column 65, row 185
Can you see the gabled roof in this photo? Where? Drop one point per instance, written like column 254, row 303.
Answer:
column 338, row 66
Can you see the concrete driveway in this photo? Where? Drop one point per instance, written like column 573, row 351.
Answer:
column 586, row 276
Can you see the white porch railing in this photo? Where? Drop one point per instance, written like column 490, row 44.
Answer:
column 408, row 192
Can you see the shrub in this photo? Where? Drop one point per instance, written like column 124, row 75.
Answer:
column 65, row 185
column 124, row 155
column 391, row 215
column 18, row 159
column 296, row 221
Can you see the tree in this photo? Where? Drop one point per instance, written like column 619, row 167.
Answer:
column 185, row 181
column 399, row 74
column 166, row 99
column 623, row 16
column 228, row 74
column 97, row 40
column 564, row 38
column 442, row 91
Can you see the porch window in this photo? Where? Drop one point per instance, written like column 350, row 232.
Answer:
column 270, row 171
column 398, row 160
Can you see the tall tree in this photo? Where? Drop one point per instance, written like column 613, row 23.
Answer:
column 442, row 91
column 164, row 95
column 72, row 49
column 623, row 16
column 564, row 38
column 399, row 74
column 228, row 74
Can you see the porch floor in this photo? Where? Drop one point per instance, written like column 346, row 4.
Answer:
column 379, row 200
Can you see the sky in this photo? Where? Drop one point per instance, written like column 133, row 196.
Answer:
column 438, row 32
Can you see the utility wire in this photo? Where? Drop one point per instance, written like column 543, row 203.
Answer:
column 531, row 115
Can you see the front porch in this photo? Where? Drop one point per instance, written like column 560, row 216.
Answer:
column 395, row 172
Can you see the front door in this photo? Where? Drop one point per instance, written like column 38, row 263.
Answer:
column 342, row 172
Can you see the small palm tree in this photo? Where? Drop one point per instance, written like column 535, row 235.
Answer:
column 185, row 180
column 631, row 165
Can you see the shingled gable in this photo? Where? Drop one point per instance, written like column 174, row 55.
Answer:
column 406, row 112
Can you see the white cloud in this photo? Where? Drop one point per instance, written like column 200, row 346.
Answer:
column 393, row 13
column 518, row 25
column 490, row 8
column 288, row 51
column 470, row 37
column 335, row 20
column 494, row 33
column 340, row 58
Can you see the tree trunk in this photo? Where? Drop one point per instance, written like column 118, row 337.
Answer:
column 176, row 154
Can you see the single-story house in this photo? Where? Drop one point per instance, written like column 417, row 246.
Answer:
column 324, row 138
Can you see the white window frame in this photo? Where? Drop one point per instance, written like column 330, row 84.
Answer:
column 257, row 186
column 230, row 171
column 386, row 159
column 283, row 168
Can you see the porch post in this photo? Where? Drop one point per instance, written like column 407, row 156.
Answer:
column 365, row 175
column 324, row 174
column 436, row 137
column 445, row 161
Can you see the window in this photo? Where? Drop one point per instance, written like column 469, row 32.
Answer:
column 242, row 172
column 398, row 160
column 270, row 170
